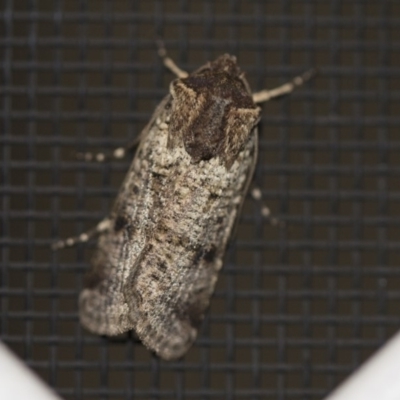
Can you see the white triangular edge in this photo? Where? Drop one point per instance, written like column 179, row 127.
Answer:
column 377, row 379
column 18, row 382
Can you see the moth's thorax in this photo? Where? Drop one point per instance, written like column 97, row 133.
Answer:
column 213, row 113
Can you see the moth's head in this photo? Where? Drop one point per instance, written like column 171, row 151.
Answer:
column 213, row 112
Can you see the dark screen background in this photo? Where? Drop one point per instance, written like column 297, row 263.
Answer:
column 297, row 307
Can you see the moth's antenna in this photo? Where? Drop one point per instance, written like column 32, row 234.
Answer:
column 286, row 88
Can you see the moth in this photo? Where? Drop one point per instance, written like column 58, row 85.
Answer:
column 160, row 250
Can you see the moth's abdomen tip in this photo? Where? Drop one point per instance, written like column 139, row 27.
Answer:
column 170, row 344
column 102, row 317
column 175, row 347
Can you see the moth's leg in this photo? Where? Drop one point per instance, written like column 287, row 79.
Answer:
column 265, row 95
column 116, row 154
column 100, row 228
column 169, row 62
column 261, row 97
column 256, row 194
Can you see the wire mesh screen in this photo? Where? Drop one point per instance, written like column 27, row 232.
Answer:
column 298, row 306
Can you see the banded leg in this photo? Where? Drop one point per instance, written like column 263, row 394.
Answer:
column 286, row 88
column 266, row 95
column 100, row 228
column 116, row 154
column 121, row 152
column 256, row 194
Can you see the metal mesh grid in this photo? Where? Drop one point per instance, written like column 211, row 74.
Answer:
column 297, row 307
